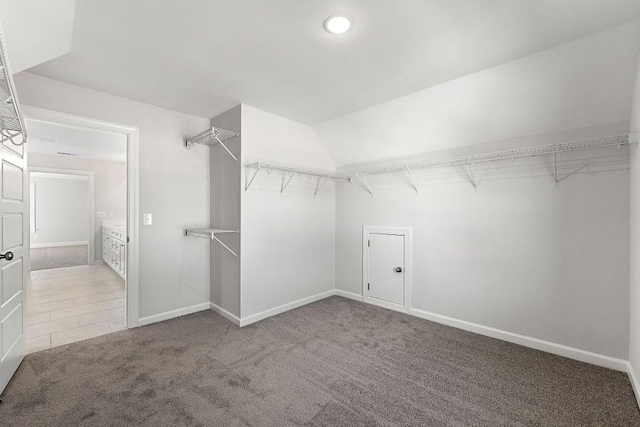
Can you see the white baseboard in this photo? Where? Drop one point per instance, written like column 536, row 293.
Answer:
column 549, row 347
column 244, row 321
column 173, row 313
column 634, row 382
column 98, row 262
column 350, row 295
column 57, row 245
column 224, row 313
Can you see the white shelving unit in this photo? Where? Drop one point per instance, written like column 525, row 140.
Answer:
column 497, row 156
column 12, row 126
column 210, row 234
column 212, row 137
column 290, row 172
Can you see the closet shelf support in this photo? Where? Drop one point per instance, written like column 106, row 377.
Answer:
column 213, row 137
column 210, row 234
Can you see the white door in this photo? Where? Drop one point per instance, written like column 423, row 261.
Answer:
column 13, row 265
column 386, row 268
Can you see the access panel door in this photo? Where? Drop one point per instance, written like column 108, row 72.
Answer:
column 387, row 268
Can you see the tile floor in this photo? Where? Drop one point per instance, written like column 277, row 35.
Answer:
column 66, row 305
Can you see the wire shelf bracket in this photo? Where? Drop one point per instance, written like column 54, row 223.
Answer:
column 210, row 234
column 212, row 137
column 12, row 127
column 290, row 172
column 468, row 161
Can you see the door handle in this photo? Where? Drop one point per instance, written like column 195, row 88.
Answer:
column 8, row 256
column 398, row 269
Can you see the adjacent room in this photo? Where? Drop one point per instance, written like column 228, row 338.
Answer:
column 328, row 213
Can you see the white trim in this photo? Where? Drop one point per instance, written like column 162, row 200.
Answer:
column 634, row 382
column 350, row 295
column 133, row 191
column 408, row 281
column 549, row 347
column 99, row 262
column 58, row 244
column 90, row 175
column 224, row 313
column 285, row 307
column 173, row 314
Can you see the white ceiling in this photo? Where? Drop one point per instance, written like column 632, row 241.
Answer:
column 49, row 138
column 202, row 57
column 49, row 25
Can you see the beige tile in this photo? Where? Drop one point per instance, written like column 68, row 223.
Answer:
column 41, row 274
column 31, row 300
column 79, row 334
column 38, row 344
column 39, row 284
column 117, row 324
column 101, row 316
column 77, row 310
column 45, row 292
column 47, row 328
column 118, row 281
column 119, row 294
column 69, row 271
column 33, row 319
column 112, row 303
column 95, row 298
column 68, row 281
column 49, row 306
column 70, row 294
column 104, row 289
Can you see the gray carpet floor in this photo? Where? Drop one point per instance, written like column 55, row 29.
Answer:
column 335, row 362
column 63, row 256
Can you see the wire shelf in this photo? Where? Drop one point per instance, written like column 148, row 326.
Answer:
column 212, row 137
column 289, row 172
column 12, row 127
column 210, row 234
column 609, row 141
column 497, row 156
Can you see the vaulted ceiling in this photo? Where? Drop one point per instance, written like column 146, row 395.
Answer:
column 204, row 56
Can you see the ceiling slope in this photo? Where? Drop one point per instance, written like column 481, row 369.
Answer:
column 202, row 57
column 583, row 83
column 36, row 31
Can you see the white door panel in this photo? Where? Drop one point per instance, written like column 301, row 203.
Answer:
column 13, row 273
column 387, row 268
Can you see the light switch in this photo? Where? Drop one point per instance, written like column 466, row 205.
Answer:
column 101, row 214
column 147, row 219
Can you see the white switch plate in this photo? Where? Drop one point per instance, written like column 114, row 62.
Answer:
column 147, row 219
column 112, row 214
column 101, row 214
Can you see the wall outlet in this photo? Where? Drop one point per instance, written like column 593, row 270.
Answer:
column 112, row 214
column 101, row 214
column 147, row 219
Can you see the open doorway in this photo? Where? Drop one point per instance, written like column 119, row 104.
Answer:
column 78, row 194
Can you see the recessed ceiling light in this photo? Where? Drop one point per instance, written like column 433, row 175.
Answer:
column 338, row 23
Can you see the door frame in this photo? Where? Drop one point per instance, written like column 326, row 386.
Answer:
column 133, row 191
column 92, row 201
column 408, row 273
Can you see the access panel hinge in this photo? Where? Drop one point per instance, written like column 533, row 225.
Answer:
column 369, row 243
column 368, row 286
column 127, row 239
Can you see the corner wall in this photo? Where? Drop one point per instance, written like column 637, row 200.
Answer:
column 516, row 256
column 634, row 281
column 225, row 214
column 288, row 249
column 174, row 187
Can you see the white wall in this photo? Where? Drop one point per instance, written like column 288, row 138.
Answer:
column 517, row 254
column 174, row 187
column 634, row 298
column 110, row 181
column 574, row 85
column 61, row 209
column 288, row 250
column 225, row 214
